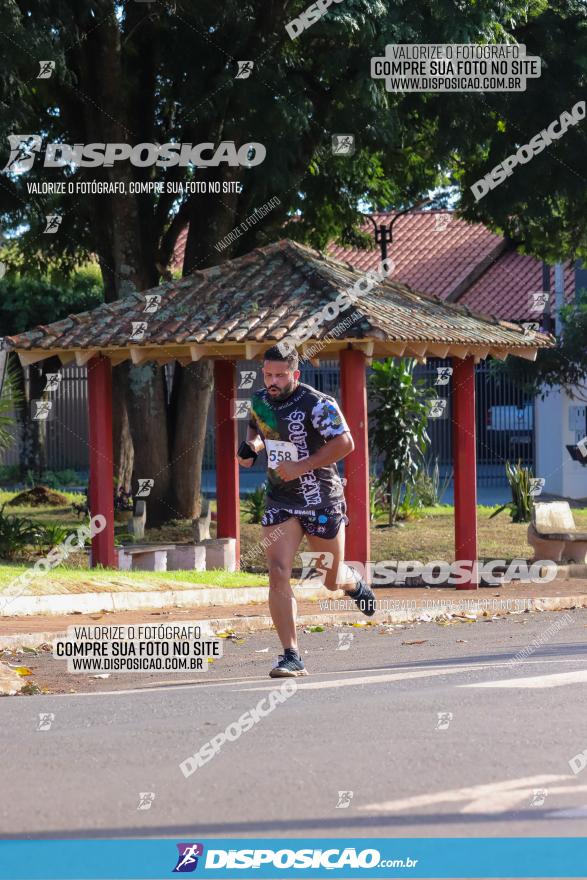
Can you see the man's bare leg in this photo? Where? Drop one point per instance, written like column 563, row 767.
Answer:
column 334, row 570
column 337, row 575
column 282, row 603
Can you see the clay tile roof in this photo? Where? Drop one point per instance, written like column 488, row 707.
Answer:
column 438, row 253
column 262, row 296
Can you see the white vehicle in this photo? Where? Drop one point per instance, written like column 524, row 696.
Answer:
column 516, row 427
column 510, row 418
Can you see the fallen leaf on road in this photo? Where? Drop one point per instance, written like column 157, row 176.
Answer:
column 462, row 641
column 101, row 675
column 418, row 642
column 96, row 616
column 360, row 623
column 315, row 629
column 262, row 651
column 21, row 670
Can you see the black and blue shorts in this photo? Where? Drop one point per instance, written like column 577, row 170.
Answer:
column 323, row 523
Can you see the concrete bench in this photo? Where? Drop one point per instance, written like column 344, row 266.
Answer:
column 553, row 534
column 144, row 557
column 213, row 553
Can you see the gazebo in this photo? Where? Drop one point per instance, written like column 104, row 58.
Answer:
column 240, row 308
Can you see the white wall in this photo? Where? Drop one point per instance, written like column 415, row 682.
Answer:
column 553, row 432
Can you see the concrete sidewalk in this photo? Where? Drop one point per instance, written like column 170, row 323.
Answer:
column 397, row 605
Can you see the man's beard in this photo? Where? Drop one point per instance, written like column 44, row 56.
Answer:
column 285, row 392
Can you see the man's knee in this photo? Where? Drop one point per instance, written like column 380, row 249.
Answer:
column 278, row 571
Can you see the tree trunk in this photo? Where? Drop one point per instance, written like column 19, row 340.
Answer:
column 123, row 445
column 146, row 406
column 190, row 409
column 32, row 432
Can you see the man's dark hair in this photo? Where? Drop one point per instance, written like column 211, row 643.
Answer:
column 275, row 354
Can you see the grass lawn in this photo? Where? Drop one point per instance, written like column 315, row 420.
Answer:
column 83, row 580
column 430, row 537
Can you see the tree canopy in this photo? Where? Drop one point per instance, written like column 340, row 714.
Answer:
column 166, row 72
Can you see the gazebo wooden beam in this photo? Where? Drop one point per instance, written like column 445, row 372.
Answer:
column 142, row 355
column 440, row 351
column 66, row 357
column 252, row 349
column 418, row 349
column 118, row 357
column 32, row 357
column 314, row 359
column 367, row 348
column 460, row 351
column 82, row 357
column 481, row 354
column 197, row 352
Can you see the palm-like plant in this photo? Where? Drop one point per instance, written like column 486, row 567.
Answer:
column 522, row 503
column 255, row 504
column 16, row 533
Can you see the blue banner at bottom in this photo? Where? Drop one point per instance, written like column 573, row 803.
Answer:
column 363, row 857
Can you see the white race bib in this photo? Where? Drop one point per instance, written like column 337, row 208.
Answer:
column 280, row 450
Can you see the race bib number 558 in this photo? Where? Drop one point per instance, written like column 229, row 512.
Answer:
column 280, row 450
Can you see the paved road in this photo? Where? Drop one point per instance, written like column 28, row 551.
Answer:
column 365, row 721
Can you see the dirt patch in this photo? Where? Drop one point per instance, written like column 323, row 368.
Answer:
column 39, row 496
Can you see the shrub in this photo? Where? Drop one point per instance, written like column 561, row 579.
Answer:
column 51, row 535
column 399, row 420
column 522, row 503
column 255, row 504
column 16, row 533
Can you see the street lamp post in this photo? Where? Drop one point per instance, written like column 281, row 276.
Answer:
column 384, row 234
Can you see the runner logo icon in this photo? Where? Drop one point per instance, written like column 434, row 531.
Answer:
column 187, row 859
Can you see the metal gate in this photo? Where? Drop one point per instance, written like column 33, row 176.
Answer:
column 504, row 422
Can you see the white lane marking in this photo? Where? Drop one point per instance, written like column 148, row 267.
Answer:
column 230, row 682
column 548, row 680
column 501, row 801
column 573, row 813
column 305, row 685
column 493, row 797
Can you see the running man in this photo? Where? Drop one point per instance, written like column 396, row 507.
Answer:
column 304, row 434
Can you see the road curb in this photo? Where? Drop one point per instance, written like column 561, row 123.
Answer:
column 421, row 613
column 90, row 603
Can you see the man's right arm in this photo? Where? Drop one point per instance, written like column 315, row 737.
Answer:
column 255, row 442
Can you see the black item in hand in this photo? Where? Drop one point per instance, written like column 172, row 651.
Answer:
column 245, row 451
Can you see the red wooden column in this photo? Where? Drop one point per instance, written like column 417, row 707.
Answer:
column 465, row 465
column 101, row 494
column 356, row 465
column 227, row 480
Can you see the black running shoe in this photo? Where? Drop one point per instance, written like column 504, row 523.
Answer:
column 288, row 665
column 364, row 599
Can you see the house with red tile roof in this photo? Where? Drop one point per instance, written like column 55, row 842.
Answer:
column 438, row 253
